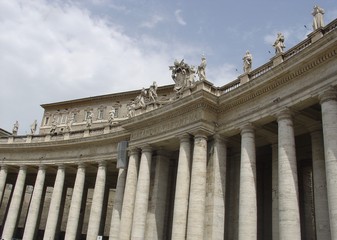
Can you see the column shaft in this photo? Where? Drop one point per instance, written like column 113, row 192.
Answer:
column 117, row 205
column 55, row 205
column 156, row 214
column 142, row 195
column 97, row 203
column 289, row 214
column 3, row 177
column 247, row 193
column 35, row 205
column 329, row 119
column 14, row 207
column 129, row 196
column 182, row 189
column 75, row 205
column 196, row 211
column 275, row 210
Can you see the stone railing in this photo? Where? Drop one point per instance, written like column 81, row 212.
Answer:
column 60, row 136
column 312, row 37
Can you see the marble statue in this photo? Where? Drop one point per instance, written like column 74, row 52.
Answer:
column 69, row 124
column 279, row 43
column 131, row 109
column 53, row 126
column 33, row 127
column 15, row 128
column 182, row 75
column 318, row 17
column 202, row 69
column 89, row 119
column 112, row 115
column 140, row 99
column 153, row 92
column 247, row 62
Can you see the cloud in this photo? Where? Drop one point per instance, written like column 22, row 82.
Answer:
column 155, row 19
column 55, row 52
column 222, row 74
column 179, row 18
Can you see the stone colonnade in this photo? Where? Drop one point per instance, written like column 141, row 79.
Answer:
column 198, row 198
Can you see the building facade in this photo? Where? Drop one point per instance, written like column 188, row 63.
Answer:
column 254, row 159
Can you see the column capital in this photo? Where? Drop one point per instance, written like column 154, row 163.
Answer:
column 61, row 166
column 133, row 151
column 284, row 114
column 146, row 148
column 4, row 167
column 102, row 163
column 185, row 137
column 23, row 167
column 42, row 166
column 329, row 95
column 81, row 165
column 247, row 128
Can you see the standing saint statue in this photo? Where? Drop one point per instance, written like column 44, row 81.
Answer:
column 279, row 43
column 202, row 69
column 153, row 92
column 33, row 127
column 89, row 119
column 15, row 128
column 247, row 62
column 318, row 17
column 112, row 115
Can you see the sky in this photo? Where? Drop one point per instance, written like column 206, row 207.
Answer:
column 58, row 50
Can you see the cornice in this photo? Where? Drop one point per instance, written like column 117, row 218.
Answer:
column 260, row 86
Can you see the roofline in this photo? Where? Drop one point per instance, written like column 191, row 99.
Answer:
column 99, row 97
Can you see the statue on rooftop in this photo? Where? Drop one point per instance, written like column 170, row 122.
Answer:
column 153, row 92
column 140, row 99
column 89, row 119
column 279, row 43
column 182, row 75
column 202, row 69
column 318, row 17
column 131, row 109
column 15, row 128
column 33, row 127
column 112, row 115
column 69, row 124
column 247, row 62
column 53, row 126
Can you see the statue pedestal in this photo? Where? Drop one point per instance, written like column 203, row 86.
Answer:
column 244, row 78
column 47, row 138
column 106, row 130
column 29, row 138
column 86, row 133
column 316, row 35
column 278, row 59
column 66, row 136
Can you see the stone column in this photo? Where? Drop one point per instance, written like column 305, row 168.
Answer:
column 3, row 177
column 55, row 205
column 97, row 203
column 129, row 195
column 275, row 210
column 142, row 195
column 320, row 192
column 289, row 214
column 247, row 193
column 156, row 214
column 117, row 205
column 76, row 203
column 35, row 205
column 328, row 102
column 14, row 207
column 196, row 210
column 182, row 189
column 215, row 206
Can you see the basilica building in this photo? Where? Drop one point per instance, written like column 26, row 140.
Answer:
column 255, row 159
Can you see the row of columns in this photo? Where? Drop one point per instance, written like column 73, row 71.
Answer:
column 132, row 218
column 55, row 209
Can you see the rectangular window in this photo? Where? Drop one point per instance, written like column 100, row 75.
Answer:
column 100, row 114
column 46, row 121
column 64, row 119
